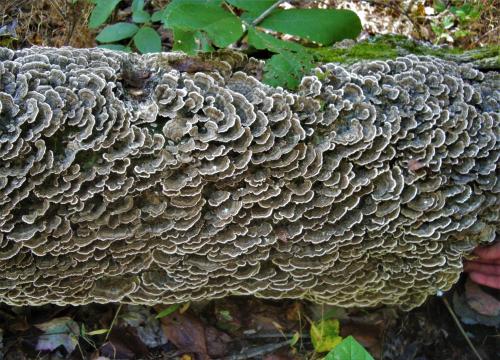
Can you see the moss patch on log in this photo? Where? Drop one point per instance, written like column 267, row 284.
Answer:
column 385, row 47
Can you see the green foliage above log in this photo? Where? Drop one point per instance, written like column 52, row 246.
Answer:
column 203, row 26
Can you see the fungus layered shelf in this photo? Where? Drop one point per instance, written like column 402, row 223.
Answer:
column 124, row 178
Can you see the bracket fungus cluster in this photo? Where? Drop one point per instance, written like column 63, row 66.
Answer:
column 124, row 178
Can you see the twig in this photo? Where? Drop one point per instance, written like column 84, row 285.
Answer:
column 452, row 313
column 63, row 16
column 113, row 322
column 274, row 335
column 256, row 351
column 229, row 8
column 267, row 12
column 487, row 33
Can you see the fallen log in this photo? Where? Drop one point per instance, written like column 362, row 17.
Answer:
column 162, row 179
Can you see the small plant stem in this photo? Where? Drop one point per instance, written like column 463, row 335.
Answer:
column 113, row 321
column 80, row 349
column 257, row 351
column 469, row 342
column 267, row 12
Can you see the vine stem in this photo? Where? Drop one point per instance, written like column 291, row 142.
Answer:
column 113, row 321
column 457, row 322
column 267, row 12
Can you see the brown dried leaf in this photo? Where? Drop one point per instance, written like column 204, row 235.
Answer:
column 217, row 342
column 481, row 301
column 294, row 312
column 124, row 344
column 370, row 336
column 186, row 332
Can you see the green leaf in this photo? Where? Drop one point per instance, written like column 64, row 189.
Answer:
column 325, row 335
column 185, row 41
column 170, row 310
column 262, row 41
column 222, row 27
column 324, row 26
column 204, row 41
column 101, row 12
column 97, row 332
column 287, row 69
column 448, row 22
column 439, row 6
column 254, row 6
column 147, row 40
column 349, row 349
column 138, row 14
column 295, row 338
column 117, row 32
column 116, row 47
column 157, row 15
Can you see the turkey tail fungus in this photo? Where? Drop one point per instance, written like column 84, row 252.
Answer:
column 366, row 186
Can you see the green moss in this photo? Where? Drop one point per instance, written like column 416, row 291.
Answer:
column 358, row 52
column 385, row 47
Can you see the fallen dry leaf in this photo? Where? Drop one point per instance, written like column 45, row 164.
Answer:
column 62, row 331
column 147, row 327
column 217, row 342
column 481, row 301
column 368, row 335
column 123, row 343
column 294, row 312
column 265, row 316
column 186, row 332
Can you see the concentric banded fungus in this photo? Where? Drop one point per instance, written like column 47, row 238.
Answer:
column 365, row 187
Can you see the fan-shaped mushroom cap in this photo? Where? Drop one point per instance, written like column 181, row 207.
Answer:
column 364, row 187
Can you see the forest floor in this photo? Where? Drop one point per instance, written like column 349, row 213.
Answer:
column 241, row 327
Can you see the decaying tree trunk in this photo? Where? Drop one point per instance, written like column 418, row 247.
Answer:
column 160, row 178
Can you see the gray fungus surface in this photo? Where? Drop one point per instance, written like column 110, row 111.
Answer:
column 123, row 178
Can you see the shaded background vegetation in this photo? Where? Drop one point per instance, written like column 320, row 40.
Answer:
column 461, row 23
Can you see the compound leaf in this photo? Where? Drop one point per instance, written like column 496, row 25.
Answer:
column 260, row 40
column 116, row 47
column 324, row 26
column 286, row 69
column 185, row 41
column 139, row 15
column 204, row 41
column 147, row 40
column 222, row 27
column 117, row 32
column 101, row 12
column 254, row 6
column 158, row 15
